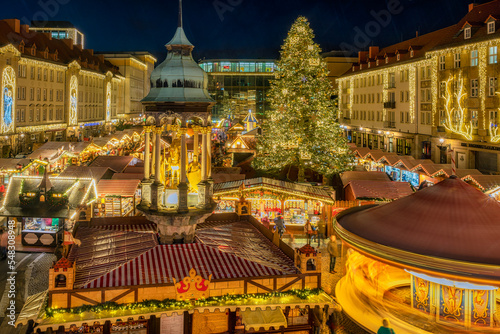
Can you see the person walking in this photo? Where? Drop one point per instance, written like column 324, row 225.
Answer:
column 317, row 320
column 280, row 225
column 385, row 328
column 333, row 250
column 309, row 231
column 321, row 232
column 4, row 238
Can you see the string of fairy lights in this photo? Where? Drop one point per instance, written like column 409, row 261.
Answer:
column 251, row 298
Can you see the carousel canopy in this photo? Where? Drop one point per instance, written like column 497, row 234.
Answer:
column 451, row 220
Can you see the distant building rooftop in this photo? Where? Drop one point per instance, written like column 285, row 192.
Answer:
column 52, row 24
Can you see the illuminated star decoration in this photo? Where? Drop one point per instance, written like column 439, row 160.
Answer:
column 304, row 79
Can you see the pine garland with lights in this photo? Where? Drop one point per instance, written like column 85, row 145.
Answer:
column 180, row 304
column 301, row 127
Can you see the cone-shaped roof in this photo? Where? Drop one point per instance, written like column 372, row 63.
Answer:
column 451, row 220
column 45, row 183
column 179, row 78
column 250, row 118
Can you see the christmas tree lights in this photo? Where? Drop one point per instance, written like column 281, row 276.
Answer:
column 301, row 129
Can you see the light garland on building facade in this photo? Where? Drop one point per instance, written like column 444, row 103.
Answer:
column 40, row 128
column 73, row 101
column 48, row 64
column 456, row 116
column 8, row 99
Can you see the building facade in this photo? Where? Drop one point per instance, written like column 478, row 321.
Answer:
column 136, row 68
column 52, row 89
column 238, row 86
column 432, row 93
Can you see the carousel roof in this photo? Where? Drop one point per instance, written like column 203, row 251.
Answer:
column 450, row 220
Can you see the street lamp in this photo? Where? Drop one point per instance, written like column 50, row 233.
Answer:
column 443, row 159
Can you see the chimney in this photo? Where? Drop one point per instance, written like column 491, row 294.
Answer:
column 471, row 6
column 25, row 28
column 68, row 42
column 48, row 35
column 416, row 33
column 91, row 51
column 14, row 24
column 362, row 56
column 101, row 58
column 373, row 51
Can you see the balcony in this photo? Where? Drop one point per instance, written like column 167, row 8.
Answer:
column 389, row 124
column 390, row 105
column 345, row 120
column 391, row 85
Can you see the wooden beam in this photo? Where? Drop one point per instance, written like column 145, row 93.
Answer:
column 77, row 295
column 260, row 286
column 121, row 295
column 290, row 283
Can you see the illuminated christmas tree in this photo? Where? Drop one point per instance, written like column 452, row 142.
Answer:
column 301, row 128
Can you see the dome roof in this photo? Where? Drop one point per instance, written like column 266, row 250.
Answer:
column 450, row 220
column 179, row 78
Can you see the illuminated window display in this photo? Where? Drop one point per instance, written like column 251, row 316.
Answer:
column 40, row 224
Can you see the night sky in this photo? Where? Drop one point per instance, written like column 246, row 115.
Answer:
column 235, row 28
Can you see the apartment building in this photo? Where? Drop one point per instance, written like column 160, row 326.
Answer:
column 53, row 89
column 431, row 94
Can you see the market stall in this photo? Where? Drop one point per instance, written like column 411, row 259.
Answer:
column 116, row 198
column 44, row 205
column 270, row 198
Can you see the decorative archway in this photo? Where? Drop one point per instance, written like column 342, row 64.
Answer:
column 8, row 99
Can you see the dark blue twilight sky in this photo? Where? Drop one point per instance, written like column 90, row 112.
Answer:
column 236, row 28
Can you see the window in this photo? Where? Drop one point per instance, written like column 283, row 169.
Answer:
column 428, row 118
column 387, row 60
column 442, row 117
column 493, row 116
column 442, row 88
column 457, row 60
column 491, row 27
column 411, row 53
column 21, row 71
column 407, row 96
column 473, row 118
column 492, row 86
column 442, row 63
column 38, row 94
column 51, row 75
column 45, row 75
column 39, row 76
column 377, row 62
column 422, row 118
column 402, row 96
column 422, row 73
column 473, row 58
column 32, row 72
column 45, row 94
column 467, row 33
column 398, row 57
column 473, row 87
column 51, row 95
column 32, row 94
column 428, row 95
column 493, row 54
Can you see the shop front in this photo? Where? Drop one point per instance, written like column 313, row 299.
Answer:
column 117, row 198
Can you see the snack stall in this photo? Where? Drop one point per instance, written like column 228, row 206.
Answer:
column 37, row 231
column 45, row 204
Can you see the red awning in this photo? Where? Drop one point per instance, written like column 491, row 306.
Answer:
column 160, row 264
